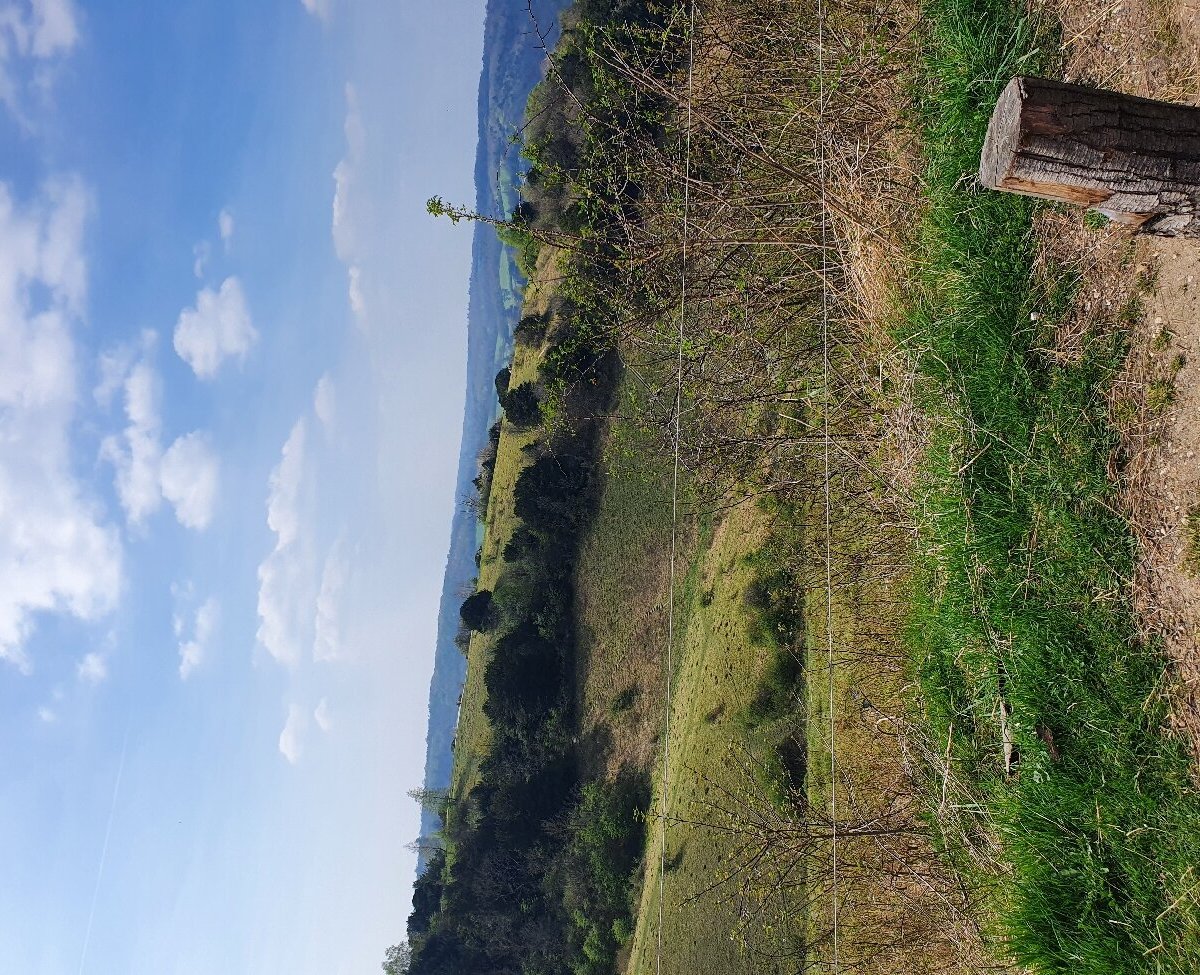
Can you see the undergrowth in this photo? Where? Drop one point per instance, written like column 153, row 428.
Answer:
column 1022, row 631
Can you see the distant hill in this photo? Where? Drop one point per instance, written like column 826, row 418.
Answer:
column 513, row 61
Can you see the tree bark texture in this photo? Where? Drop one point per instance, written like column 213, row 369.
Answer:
column 1135, row 160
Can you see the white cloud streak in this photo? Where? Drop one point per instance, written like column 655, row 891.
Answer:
column 322, row 716
column 216, row 329
column 56, row 553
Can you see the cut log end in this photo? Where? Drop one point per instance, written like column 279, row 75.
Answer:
column 1133, row 159
column 1003, row 136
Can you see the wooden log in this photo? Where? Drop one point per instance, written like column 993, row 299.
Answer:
column 1135, row 160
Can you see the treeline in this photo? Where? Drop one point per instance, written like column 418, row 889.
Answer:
column 537, row 873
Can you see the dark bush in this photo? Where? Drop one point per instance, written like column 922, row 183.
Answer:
column 522, row 405
column 477, row 612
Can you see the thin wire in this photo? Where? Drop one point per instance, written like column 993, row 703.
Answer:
column 666, row 760
column 824, row 165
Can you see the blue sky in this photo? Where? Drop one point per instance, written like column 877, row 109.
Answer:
column 232, row 354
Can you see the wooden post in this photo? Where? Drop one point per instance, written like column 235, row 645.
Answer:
column 1135, row 160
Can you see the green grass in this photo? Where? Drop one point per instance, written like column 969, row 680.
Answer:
column 719, row 663
column 1023, row 590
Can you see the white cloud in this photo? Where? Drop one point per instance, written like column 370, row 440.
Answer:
column 345, row 176
column 47, row 715
column 57, row 555
column 92, row 669
column 192, row 652
column 327, row 644
column 225, row 225
column 283, row 494
column 285, row 576
column 201, row 254
column 113, row 367
column 32, row 33
column 325, row 401
column 358, row 304
column 291, row 739
column 137, row 455
column 216, row 329
column 321, row 9
column 188, row 478
column 322, row 716
column 347, row 208
column 186, row 475
column 55, row 29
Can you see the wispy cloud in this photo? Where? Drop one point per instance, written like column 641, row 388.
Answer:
column 321, row 9
column 291, row 739
column 201, row 254
column 216, row 329
column 285, row 577
column 322, row 716
column 135, row 456
column 225, row 226
column 325, row 402
column 327, row 644
column 92, row 669
column 193, row 652
column 33, row 34
column 56, row 552
column 349, row 211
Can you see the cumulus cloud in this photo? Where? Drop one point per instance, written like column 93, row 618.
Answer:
column 57, row 555
column 46, row 715
column 92, row 669
column 188, row 477
column 285, row 576
column 327, row 644
column 291, row 739
column 322, row 716
column 225, row 225
column 216, row 329
column 192, row 652
column 325, row 401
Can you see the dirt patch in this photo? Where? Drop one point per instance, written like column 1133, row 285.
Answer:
column 1164, row 472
